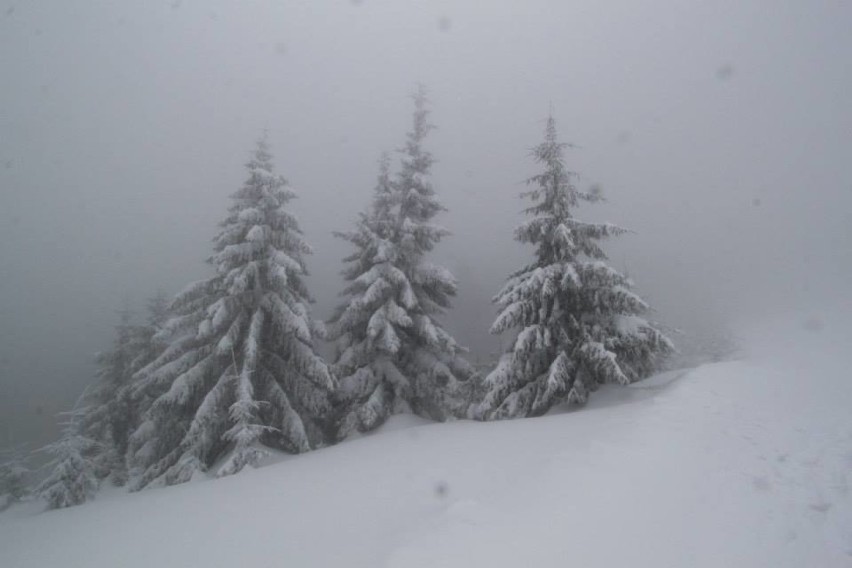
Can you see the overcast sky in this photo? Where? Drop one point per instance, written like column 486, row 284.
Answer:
column 720, row 131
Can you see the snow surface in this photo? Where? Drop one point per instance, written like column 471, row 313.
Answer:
column 743, row 463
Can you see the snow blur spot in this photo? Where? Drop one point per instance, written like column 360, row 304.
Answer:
column 357, row 2
column 596, row 190
column 821, row 507
column 623, row 137
column 756, row 202
column 444, row 24
column 760, row 483
column 8, row 164
column 813, row 324
column 442, row 489
column 175, row 4
column 10, row 10
column 281, row 48
column 725, row 72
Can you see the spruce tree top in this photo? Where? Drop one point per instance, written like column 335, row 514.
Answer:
column 558, row 236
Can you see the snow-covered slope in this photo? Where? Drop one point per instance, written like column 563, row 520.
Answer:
column 745, row 463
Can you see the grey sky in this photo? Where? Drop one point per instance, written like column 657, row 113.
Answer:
column 720, row 132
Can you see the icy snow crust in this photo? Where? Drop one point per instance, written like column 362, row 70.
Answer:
column 744, row 463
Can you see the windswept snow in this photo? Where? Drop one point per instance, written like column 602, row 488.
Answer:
column 743, row 463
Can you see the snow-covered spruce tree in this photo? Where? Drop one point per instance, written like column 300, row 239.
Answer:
column 394, row 356
column 148, row 345
column 73, row 478
column 13, row 477
column 240, row 372
column 361, row 361
column 579, row 324
column 110, row 415
column 147, row 341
